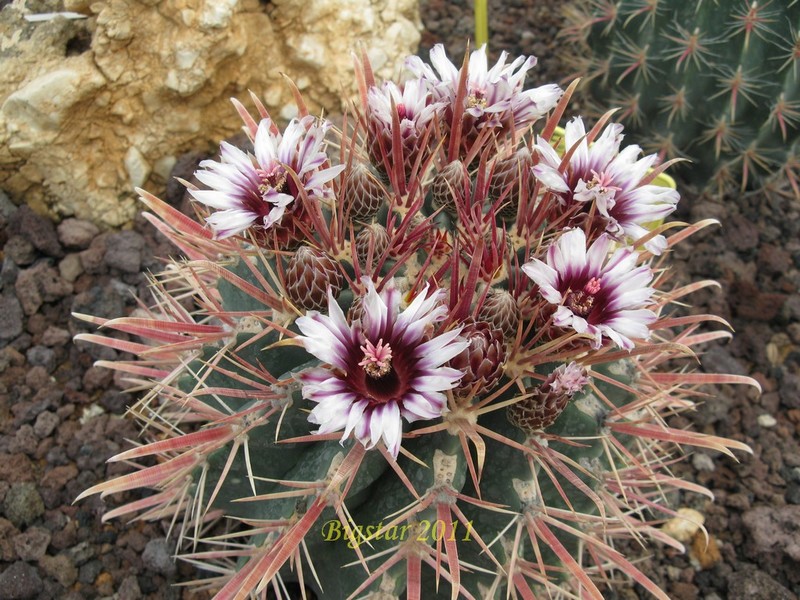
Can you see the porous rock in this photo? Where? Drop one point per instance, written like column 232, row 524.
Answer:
column 20, row 581
column 91, row 108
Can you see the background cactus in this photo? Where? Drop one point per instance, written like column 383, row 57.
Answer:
column 717, row 82
column 526, row 361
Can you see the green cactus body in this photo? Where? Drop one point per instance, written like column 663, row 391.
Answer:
column 715, row 81
column 459, row 417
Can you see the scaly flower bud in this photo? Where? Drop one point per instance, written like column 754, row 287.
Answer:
column 500, row 310
column 549, row 400
column 363, row 194
column 308, row 276
column 509, row 178
column 449, row 186
column 482, row 361
column 372, row 236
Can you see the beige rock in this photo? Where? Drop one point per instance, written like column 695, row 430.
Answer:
column 685, row 525
column 90, row 108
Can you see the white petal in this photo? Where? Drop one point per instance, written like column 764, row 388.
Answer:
column 391, row 428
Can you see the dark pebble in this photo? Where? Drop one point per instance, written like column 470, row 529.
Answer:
column 20, row 251
column 20, row 581
column 23, row 504
column 157, row 556
column 42, row 356
column 10, row 317
column 38, row 229
column 89, row 571
column 124, row 251
column 77, row 234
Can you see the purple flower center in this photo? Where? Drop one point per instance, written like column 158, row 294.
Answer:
column 580, row 302
column 272, row 180
column 385, row 374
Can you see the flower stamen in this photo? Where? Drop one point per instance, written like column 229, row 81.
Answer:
column 580, row 302
column 477, row 98
column 377, row 360
column 272, row 180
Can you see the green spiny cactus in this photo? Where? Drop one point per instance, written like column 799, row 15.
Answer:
column 401, row 395
column 714, row 81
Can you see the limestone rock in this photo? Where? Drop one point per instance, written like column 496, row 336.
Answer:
column 90, row 108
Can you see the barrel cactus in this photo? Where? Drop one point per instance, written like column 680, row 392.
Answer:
column 717, row 82
column 400, row 365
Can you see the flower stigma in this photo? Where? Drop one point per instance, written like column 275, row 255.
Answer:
column 477, row 98
column 581, row 302
column 377, row 360
column 272, row 180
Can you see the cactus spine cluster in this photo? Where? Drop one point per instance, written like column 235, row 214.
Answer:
column 714, row 81
column 442, row 374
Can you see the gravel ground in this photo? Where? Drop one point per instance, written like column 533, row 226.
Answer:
column 60, row 417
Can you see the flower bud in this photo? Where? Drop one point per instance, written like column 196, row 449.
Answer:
column 482, row 361
column 548, row 401
column 372, row 236
column 363, row 195
column 509, row 178
column 308, row 276
column 449, row 186
column 500, row 310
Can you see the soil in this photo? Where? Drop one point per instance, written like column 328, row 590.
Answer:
column 61, row 417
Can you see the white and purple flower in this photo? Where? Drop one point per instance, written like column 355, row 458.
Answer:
column 596, row 294
column 415, row 110
column 256, row 190
column 381, row 368
column 495, row 96
column 609, row 177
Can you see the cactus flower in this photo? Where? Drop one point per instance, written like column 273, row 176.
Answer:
column 382, row 367
column 609, row 177
column 495, row 96
column 256, row 190
column 416, row 110
column 596, row 294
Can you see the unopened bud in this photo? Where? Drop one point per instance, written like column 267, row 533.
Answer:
column 541, row 409
column 308, row 276
column 363, row 195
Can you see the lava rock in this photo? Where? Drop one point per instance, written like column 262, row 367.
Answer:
column 10, row 318
column 742, row 232
column 20, row 250
column 42, row 356
column 774, row 532
column 124, row 251
column 129, row 589
column 32, row 544
column 46, row 422
column 157, row 556
column 8, row 273
column 754, row 584
column 55, row 336
column 77, row 234
column 38, row 284
column 60, row 568
column 790, row 390
column 20, row 581
column 92, row 259
column 23, row 504
column 38, row 229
